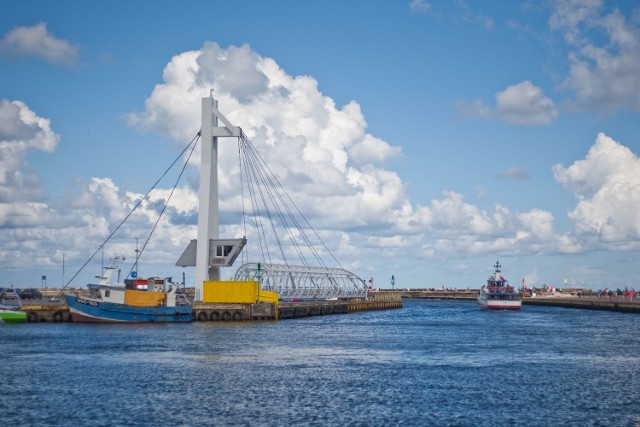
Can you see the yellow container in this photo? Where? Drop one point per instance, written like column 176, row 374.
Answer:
column 231, row 291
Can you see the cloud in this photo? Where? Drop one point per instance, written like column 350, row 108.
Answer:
column 521, row 104
column 515, row 173
column 37, row 42
column 603, row 66
column 449, row 227
column 315, row 148
column 568, row 15
column 606, row 184
column 331, row 166
column 325, row 158
column 474, row 18
column 524, row 104
column 35, row 232
column 604, row 70
column 322, row 154
column 21, row 132
column 419, row 6
column 476, row 109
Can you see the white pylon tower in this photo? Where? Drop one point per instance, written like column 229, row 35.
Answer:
column 208, row 253
column 208, row 226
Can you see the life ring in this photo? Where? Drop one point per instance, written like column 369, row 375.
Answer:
column 237, row 315
column 57, row 316
column 215, row 316
column 202, row 316
column 226, row 316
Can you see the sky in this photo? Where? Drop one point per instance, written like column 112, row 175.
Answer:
column 423, row 140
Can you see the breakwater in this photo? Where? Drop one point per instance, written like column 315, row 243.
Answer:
column 608, row 303
column 454, row 294
column 613, row 304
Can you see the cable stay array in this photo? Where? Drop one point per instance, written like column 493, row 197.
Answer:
column 289, row 246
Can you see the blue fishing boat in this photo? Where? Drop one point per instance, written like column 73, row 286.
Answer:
column 135, row 301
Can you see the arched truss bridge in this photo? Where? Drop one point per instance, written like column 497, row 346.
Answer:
column 293, row 282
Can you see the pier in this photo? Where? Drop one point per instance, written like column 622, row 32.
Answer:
column 45, row 310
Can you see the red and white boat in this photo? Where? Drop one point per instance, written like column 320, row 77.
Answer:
column 498, row 294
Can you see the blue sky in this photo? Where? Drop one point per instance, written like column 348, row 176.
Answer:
column 422, row 139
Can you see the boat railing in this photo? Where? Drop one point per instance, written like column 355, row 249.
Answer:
column 181, row 298
column 502, row 289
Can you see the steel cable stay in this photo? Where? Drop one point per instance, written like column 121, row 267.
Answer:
column 155, row 225
column 252, row 186
column 271, row 196
column 258, row 187
column 272, row 210
column 270, row 203
column 276, row 190
column 191, row 144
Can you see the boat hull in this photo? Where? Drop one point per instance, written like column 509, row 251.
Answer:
column 89, row 311
column 13, row 316
column 498, row 304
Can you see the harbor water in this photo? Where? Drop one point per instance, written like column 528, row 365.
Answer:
column 430, row 363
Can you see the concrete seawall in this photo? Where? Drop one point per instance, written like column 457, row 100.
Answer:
column 292, row 310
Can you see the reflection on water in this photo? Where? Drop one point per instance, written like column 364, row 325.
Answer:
column 431, row 363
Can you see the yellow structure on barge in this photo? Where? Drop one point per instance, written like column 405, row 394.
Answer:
column 236, row 291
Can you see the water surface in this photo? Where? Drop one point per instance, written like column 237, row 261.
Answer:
column 430, row 363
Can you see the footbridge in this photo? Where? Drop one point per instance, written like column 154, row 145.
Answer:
column 293, row 282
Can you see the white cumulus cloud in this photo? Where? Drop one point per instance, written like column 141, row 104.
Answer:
column 606, row 184
column 314, row 147
column 524, row 104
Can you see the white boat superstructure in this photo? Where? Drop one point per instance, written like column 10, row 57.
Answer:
column 498, row 294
